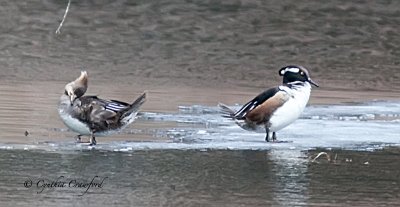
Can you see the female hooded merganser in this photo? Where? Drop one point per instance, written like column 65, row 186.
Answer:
column 275, row 108
column 92, row 116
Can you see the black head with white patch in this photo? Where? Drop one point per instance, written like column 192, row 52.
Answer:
column 294, row 73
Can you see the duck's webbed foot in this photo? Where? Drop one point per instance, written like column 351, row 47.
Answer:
column 266, row 134
column 273, row 136
column 92, row 140
column 274, row 140
column 78, row 138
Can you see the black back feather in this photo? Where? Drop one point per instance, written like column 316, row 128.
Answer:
column 261, row 98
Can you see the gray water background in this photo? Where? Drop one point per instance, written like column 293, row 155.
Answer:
column 191, row 156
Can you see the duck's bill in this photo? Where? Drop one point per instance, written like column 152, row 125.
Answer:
column 313, row 83
column 72, row 99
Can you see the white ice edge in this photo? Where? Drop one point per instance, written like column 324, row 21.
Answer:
column 216, row 133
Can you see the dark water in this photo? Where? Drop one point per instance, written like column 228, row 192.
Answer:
column 184, row 158
column 202, row 42
column 208, row 178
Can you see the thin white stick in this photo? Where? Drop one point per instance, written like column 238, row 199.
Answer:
column 65, row 16
column 322, row 153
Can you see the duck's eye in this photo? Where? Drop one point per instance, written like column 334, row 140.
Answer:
column 301, row 73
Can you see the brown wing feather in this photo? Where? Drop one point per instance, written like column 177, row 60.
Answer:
column 263, row 112
column 101, row 115
column 93, row 112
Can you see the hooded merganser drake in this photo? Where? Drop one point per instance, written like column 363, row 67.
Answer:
column 92, row 116
column 277, row 107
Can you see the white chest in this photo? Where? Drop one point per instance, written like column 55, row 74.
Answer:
column 74, row 124
column 292, row 108
column 80, row 127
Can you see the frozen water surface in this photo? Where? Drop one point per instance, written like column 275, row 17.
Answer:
column 365, row 126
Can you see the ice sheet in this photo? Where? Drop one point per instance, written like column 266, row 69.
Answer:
column 366, row 126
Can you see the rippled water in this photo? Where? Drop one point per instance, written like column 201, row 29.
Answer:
column 198, row 43
column 198, row 178
column 190, row 55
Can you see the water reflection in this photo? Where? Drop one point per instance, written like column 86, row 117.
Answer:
column 192, row 178
column 292, row 182
column 355, row 178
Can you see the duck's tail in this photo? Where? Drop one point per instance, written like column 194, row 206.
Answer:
column 134, row 108
column 139, row 102
column 226, row 111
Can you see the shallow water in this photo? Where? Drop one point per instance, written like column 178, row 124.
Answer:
column 190, row 55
